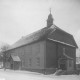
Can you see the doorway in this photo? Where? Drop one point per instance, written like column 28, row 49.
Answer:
column 63, row 66
column 70, row 64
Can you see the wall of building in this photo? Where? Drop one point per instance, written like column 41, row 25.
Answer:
column 51, row 54
column 70, row 51
column 54, row 51
column 32, row 56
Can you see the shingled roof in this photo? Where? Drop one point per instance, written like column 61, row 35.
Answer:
column 52, row 33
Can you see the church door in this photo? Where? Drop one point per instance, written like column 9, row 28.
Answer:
column 62, row 64
column 70, row 64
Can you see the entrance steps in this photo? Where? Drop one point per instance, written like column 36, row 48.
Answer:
column 65, row 72
column 58, row 72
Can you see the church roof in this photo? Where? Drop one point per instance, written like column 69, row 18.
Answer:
column 53, row 33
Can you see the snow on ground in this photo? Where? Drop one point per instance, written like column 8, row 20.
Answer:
column 26, row 75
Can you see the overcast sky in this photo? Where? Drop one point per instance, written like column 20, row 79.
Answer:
column 22, row 17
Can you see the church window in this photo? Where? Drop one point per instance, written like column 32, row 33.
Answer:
column 30, row 61
column 38, row 61
column 70, row 63
column 37, row 49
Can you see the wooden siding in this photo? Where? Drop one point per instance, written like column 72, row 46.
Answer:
column 32, row 56
column 54, row 51
column 51, row 54
column 70, row 51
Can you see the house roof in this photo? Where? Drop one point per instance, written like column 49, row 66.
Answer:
column 15, row 58
column 53, row 33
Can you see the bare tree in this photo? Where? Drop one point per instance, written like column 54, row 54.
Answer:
column 2, row 56
column 5, row 47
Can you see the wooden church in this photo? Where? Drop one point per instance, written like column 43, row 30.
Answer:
column 45, row 50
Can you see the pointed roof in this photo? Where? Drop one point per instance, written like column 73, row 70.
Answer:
column 53, row 33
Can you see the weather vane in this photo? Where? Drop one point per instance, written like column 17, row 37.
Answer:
column 50, row 10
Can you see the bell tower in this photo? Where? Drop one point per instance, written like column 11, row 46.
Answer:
column 50, row 20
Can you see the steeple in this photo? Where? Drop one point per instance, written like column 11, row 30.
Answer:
column 50, row 19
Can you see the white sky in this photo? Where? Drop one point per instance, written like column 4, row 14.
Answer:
column 21, row 17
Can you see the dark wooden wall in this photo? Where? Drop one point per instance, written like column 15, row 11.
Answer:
column 54, row 51
column 70, row 51
column 51, row 54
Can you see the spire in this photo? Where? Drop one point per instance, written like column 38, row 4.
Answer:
column 50, row 19
column 50, row 10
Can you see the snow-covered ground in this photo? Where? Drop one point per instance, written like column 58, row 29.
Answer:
column 26, row 75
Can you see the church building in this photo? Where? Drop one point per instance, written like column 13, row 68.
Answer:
column 45, row 50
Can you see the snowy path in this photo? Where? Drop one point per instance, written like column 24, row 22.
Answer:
column 25, row 75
